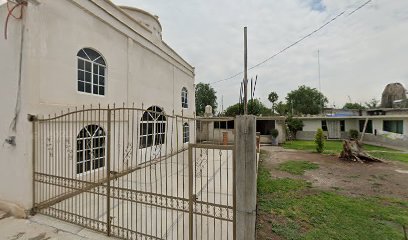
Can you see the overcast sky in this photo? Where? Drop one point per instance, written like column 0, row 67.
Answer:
column 359, row 53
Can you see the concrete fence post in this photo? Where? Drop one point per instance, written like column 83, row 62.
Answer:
column 245, row 177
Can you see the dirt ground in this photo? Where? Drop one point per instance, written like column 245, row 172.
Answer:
column 389, row 179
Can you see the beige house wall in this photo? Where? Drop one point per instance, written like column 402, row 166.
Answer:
column 141, row 69
column 14, row 160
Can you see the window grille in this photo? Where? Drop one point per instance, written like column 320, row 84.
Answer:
column 186, row 133
column 91, row 72
column 184, row 98
column 90, row 149
column 152, row 127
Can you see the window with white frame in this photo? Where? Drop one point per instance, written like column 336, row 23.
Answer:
column 152, row 127
column 90, row 149
column 184, row 98
column 186, row 133
column 91, row 72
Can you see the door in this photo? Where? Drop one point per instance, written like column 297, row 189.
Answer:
column 333, row 128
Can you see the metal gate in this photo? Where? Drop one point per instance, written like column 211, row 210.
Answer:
column 135, row 174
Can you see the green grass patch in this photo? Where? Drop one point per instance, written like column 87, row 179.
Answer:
column 335, row 147
column 312, row 214
column 297, row 167
column 393, row 156
column 289, row 230
column 268, row 185
column 332, row 146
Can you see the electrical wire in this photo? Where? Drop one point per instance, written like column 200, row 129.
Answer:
column 360, row 7
column 10, row 13
column 293, row 44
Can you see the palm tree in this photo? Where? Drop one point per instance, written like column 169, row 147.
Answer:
column 273, row 97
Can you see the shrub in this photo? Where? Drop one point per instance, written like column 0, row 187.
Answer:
column 353, row 134
column 294, row 125
column 274, row 133
column 319, row 140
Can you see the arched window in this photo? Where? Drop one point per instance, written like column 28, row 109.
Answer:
column 184, row 98
column 186, row 133
column 152, row 127
column 91, row 72
column 90, row 149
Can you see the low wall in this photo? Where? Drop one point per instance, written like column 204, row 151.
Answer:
column 267, row 139
column 305, row 135
column 400, row 143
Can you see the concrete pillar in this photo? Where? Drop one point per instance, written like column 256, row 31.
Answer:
column 245, row 176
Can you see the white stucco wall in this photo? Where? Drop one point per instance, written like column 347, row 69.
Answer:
column 140, row 70
column 406, row 127
column 311, row 124
column 15, row 162
column 147, row 19
column 351, row 124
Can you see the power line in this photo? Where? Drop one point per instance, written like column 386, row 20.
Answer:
column 360, row 7
column 293, row 44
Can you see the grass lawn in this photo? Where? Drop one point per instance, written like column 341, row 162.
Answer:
column 292, row 209
column 395, row 156
column 297, row 167
column 335, row 147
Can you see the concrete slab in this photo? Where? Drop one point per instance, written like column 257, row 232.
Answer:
column 26, row 229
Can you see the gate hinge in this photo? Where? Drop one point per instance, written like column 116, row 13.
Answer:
column 195, row 198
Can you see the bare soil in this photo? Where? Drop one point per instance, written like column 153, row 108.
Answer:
column 388, row 179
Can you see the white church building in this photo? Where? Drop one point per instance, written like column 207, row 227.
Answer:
column 63, row 54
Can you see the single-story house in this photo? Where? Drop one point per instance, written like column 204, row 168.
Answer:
column 213, row 129
column 382, row 126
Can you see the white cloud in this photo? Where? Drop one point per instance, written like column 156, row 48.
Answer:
column 360, row 53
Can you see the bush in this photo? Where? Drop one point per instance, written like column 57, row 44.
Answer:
column 274, row 133
column 319, row 140
column 353, row 134
column 294, row 125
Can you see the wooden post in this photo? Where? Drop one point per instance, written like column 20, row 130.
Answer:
column 364, row 130
column 245, row 177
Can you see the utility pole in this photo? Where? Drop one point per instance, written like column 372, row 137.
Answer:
column 222, row 103
column 318, row 63
column 245, row 73
column 320, row 86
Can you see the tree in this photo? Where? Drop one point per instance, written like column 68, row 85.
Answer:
column 205, row 95
column 233, row 110
column 273, row 97
column 373, row 103
column 255, row 107
column 306, row 100
column 282, row 108
column 353, row 106
column 294, row 125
